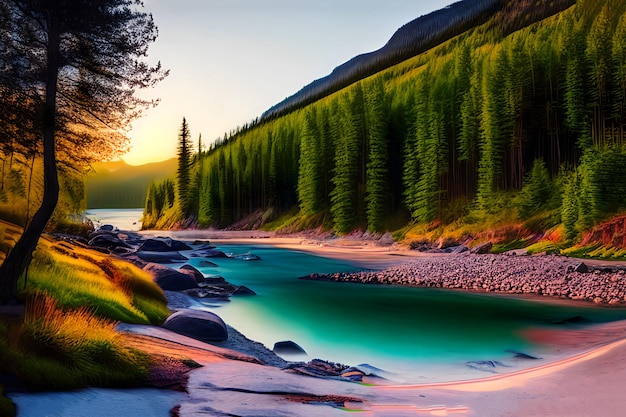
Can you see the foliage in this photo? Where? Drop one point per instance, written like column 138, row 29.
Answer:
column 495, row 126
column 537, row 191
column 68, row 81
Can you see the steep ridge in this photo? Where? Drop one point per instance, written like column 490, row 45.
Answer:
column 419, row 36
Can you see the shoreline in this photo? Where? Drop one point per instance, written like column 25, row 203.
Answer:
column 600, row 352
column 582, row 376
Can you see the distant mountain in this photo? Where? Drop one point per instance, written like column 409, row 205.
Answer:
column 420, row 35
column 120, row 185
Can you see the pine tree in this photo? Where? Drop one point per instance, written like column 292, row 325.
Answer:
column 377, row 186
column 310, row 187
column 184, row 166
column 344, row 195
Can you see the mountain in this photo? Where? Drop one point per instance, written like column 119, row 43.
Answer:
column 417, row 37
column 120, row 185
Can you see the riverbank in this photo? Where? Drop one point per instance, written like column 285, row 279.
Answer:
column 230, row 384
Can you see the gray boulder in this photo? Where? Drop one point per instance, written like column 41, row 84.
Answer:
column 170, row 279
column 192, row 272
column 288, row 347
column 161, row 257
column 483, row 248
column 108, row 240
column 243, row 290
column 163, row 245
column 199, row 325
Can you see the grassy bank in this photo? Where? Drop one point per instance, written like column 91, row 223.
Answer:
column 74, row 297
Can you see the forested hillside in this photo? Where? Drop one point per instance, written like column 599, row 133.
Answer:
column 119, row 185
column 509, row 118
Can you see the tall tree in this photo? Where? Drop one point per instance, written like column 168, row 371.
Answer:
column 377, row 181
column 82, row 60
column 184, row 166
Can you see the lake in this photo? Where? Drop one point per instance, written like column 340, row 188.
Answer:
column 418, row 334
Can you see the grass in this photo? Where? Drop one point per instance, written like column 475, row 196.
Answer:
column 75, row 296
column 596, row 251
column 67, row 349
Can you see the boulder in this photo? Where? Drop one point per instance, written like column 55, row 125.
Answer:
column 161, row 257
column 243, row 290
column 288, row 347
column 582, row 268
column 162, row 245
column 200, row 325
column 170, row 279
column 107, row 228
column 207, row 264
column 211, row 253
column 483, row 248
column 108, row 241
column 192, row 272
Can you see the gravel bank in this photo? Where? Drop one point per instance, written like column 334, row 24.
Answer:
column 543, row 275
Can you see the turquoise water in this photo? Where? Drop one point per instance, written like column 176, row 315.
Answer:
column 398, row 329
column 410, row 331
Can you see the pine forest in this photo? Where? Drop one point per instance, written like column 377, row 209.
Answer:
column 505, row 121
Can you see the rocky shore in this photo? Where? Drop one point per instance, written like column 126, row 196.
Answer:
column 542, row 275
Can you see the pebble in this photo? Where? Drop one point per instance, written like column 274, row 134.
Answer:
column 545, row 275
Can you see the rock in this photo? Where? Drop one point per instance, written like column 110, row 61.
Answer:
column 288, row 348
column 214, row 280
column 107, row 228
column 199, row 325
column 581, row 267
column 483, row 248
column 246, row 257
column 212, row 292
column 170, row 279
column 108, row 241
column 447, row 242
column 243, row 290
column 162, row 245
column 486, row 366
column 161, row 257
column 458, row 249
column 192, row 272
column 207, row 264
column 211, row 253
column 522, row 355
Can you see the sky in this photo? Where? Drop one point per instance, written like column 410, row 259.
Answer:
column 230, row 60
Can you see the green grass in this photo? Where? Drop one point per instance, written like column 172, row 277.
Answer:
column 74, row 298
column 74, row 348
column 596, row 251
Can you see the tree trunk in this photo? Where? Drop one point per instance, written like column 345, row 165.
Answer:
column 19, row 258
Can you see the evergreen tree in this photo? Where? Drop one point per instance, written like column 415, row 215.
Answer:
column 184, row 166
column 377, row 186
column 344, row 195
column 310, row 187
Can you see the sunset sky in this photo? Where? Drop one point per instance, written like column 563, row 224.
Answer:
column 230, row 60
